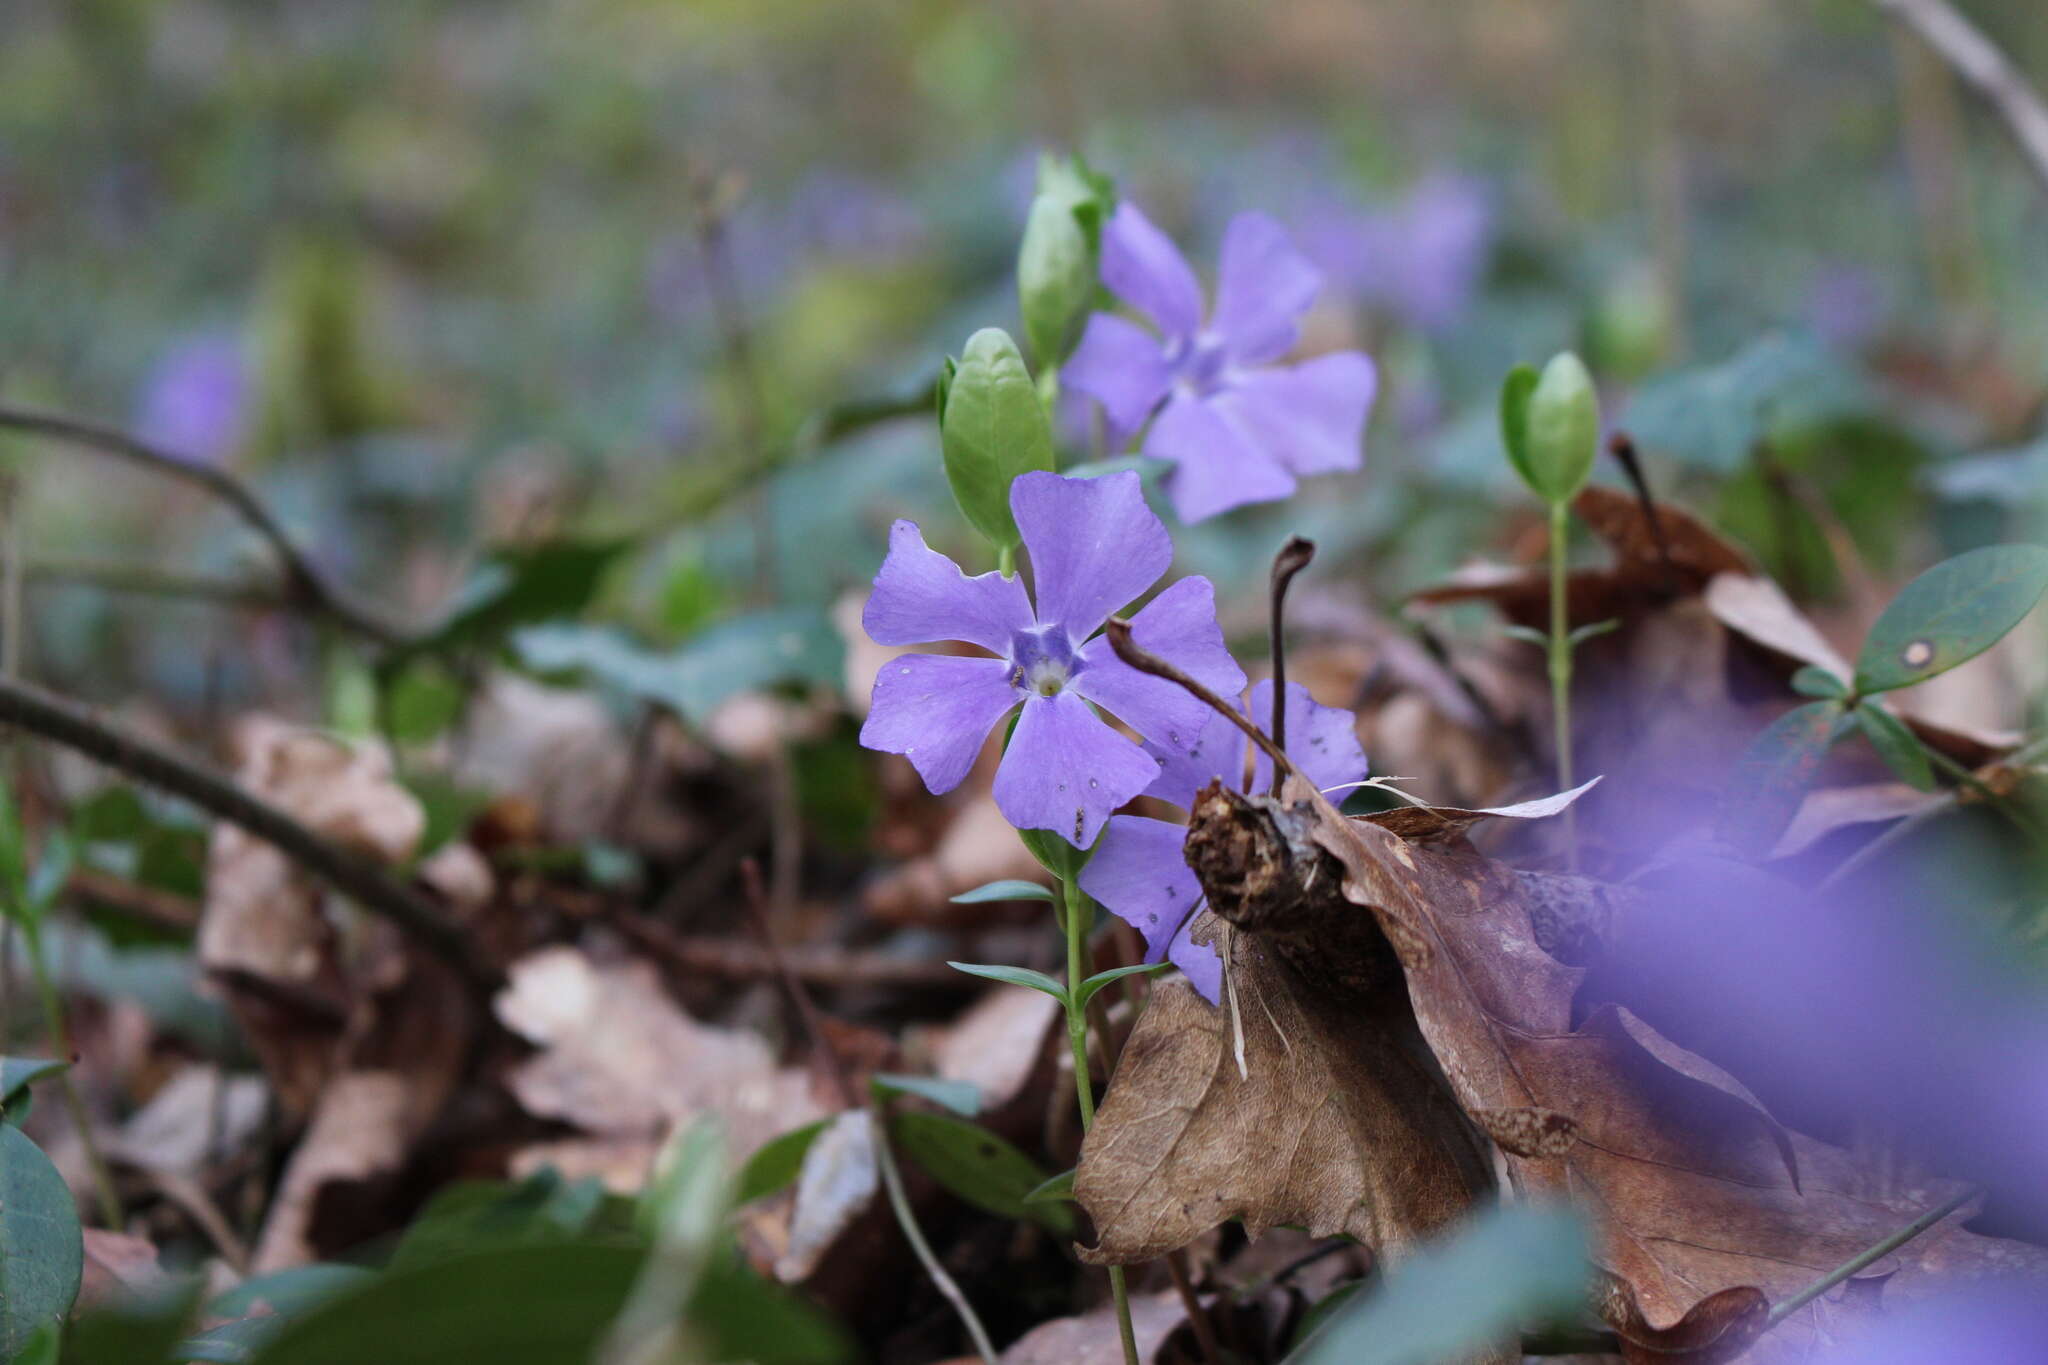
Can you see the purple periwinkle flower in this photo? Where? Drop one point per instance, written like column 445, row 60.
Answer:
column 1094, row 546
column 1139, row 873
column 195, row 401
column 1236, row 427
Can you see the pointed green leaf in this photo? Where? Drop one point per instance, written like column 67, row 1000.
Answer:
column 775, row 1164
column 1057, row 1188
column 1592, row 630
column 1010, row 889
column 1101, row 979
column 1953, row 612
column 992, row 429
column 1514, row 419
column 16, row 1073
column 1818, row 682
column 1528, row 635
column 1013, row 976
column 1898, row 746
column 962, row 1097
column 979, row 1167
column 42, row 1251
column 1772, row 776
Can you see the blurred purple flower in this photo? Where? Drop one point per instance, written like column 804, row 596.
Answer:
column 1845, row 305
column 1094, row 546
column 2000, row 1320
column 1421, row 259
column 195, row 402
column 1236, row 427
column 1139, row 874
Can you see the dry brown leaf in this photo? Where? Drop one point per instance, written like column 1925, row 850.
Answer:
column 1092, row 1338
column 618, row 1059
column 978, row 847
column 999, row 1045
column 837, row 1184
column 117, row 1267
column 1701, row 1220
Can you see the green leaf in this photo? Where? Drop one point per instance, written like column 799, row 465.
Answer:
column 1818, row 682
column 52, row 871
column 530, row 1305
column 1953, row 612
column 1561, row 430
column 992, row 429
column 1528, row 635
column 231, row 1343
column 775, row 1164
column 1059, row 1187
column 1014, row 976
column 1592, row 630
column 13, row 860
column 1055, row 854
column 1713, row 416
column 1101, row 979
column 1056, row 260
column 42, row 1251
column 1009, row 889
column 962, row 1097
column 1773, row 774
column 289, row 1292
column 1461, row 1293
column 470, row 1215
column 979, row 1167
column 1897, row 745
column 762, row 649
column 517, row 586
column 1514, row 419
column 16, row 1074
column 737, row 1315
column 140, row 1325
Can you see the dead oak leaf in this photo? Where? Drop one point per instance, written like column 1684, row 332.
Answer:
column 1706, row 1209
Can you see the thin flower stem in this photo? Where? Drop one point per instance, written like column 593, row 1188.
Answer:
column 61, row 1045
column 1561, row 674
column 907, row 1220
column 1294, row 556
column 1076, row 924
column 1866, row 1258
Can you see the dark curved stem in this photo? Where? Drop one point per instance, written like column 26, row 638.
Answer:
column 304, row 581
column 1145, row 661
column 1294, row 556
column 63, row 722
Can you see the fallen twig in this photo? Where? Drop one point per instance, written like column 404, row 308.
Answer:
column 307, row 585
column 695, row 955
column 63, row 722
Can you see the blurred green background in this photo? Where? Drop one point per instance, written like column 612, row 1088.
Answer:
column 439, row 277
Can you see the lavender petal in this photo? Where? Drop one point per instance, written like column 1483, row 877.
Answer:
column 1216, row 751
column 1094, row 545
column 1143, row 267
column 936, row 710
column 1310, row 418
column 1198, row 962
column 1215, row 467
column 1120, row 365
column 1322, row 740
column 1139, row 875
column 920, row 595
column 1263, row 287
column 1180, row 626
column 1066, row 770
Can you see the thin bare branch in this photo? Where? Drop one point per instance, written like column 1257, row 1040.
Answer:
column 1977, row 60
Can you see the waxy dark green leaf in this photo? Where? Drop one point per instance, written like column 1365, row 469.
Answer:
column 1898, row 746
column 979, row 1167
column 1773, row 775
column 1953, row 612
column 776, row 1163
column 42, row 1251
column 992, row 428
column 1514, row 419
column 16, row 1074
column 1057, row 1188
column 1101, row 979
column 1818, row 682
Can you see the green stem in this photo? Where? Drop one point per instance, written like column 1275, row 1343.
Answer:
column 892, row 1178
column 1866, row 1258
column 1561, row 673
column 2004, row 805
column 1077, row 1039
column 1006, row 560
column 60, row 1043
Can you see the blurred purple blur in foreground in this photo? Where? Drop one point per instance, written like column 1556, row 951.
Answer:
column 1997, row 1322
column 1421, row 258
column 195, row 402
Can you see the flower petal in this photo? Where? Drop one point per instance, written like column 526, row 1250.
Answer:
column 1215, row 467
column 921, row 596
column 1263, row 287
column 1094, row 545
column 1180, row 626
column 1199, row 962
column 1322, row 740
column 1139, row 875
column 1143, row 267
column 1120, row 365
column 1217, row 751
column 1311, row 417
column 1066, row 770
column 936, row 710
